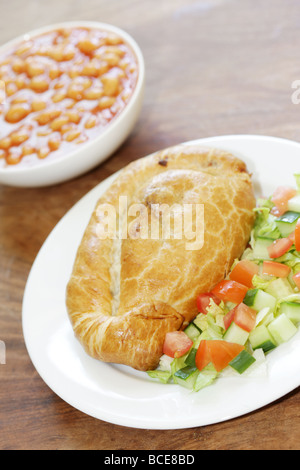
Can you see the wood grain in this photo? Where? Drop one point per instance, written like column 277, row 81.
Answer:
column 214, row 67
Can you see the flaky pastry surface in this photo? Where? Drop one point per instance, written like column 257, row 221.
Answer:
column 125, row 295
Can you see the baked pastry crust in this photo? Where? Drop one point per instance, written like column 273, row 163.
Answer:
column 124, row 295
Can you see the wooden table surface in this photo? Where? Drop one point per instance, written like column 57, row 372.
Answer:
column 214, row 67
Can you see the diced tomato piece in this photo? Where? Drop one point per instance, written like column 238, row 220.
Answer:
column 177, row 344
column 271, row 268
column 228, row 319
column 222, row 353
column 219, row 352
column 203, row 302
column 244, row 272
column 280, row 198
column 297, row 280
column 280, row 247
column 230, row 291
column 297, row 236
column 245, row 317
column 202, row 358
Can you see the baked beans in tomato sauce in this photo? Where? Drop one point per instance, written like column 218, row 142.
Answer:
column 62, row 89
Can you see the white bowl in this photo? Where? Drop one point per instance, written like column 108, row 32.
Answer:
column 90, row 154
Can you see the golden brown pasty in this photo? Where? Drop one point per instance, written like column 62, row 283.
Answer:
column 125, row 294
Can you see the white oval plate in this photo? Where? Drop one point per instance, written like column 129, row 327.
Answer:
column 118, row 394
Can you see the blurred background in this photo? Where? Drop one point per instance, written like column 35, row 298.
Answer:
column 213, row 66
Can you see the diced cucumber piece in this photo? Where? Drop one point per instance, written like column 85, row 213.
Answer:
column 242, row 362
column 287, row 223
column 294, row 204
column 190, row 360
column 236, row 334
column 260, row 250
column 280, row 288
column 282, row 329
column 192, row 331
column 291, row 310
column 186, row 376
column 258, row 300
column 205, row 378
column 260, row 338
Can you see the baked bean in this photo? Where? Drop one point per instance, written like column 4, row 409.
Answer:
column 43, row 152
column 75, row 92
column 38, row 105
column 17, row 112
column 73, row 116
column 20, row 136
column 111, row 58
column 106, row 102
column 72, row 135
column 21, row 81
column 59, row 122
column 54, row 142
column 70, row 126
column 44, row 132
column 54, row 72
column 39, row 84
column 14, row 156
column 33, row 67
column 27, row 150
column 11, row 89
column 81, row 139
column 88, row 45
column 110, row 85
column 59, row 96
column 93, row 93
column 47, row 116
column 91, row 122
column 5, row 143
column 19, row 66
column 113, row 39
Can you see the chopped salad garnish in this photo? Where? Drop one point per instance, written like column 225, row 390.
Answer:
column 251, row 312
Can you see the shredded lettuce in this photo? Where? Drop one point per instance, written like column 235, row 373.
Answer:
column 260, row 282
column 248, row 253
column 289, row 298
column 205, row 378
column 162, row 375
column 291, row 259
column 265, row 203
column 215, row 309
column 265, row 225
